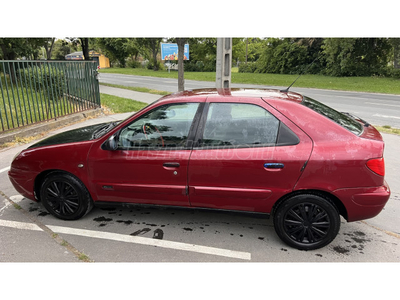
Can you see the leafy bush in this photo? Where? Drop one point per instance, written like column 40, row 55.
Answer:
column 250, row 67
column 193, row 66
column 200, row 66
column 46, row 78
column 282, row 56
column 356, row 56
column 133, row 64
column 155, row 66
column 392, row 72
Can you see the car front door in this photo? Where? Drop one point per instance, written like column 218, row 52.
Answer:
column 245, row 157
column 150, row 163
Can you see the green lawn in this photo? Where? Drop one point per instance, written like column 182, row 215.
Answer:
column 120, row 105
column 359, row 84
column 27, row 108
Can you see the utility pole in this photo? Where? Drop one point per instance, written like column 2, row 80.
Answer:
column 224, row 62
column 181, row 51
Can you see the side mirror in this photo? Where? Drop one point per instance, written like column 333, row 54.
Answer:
column 111, row 144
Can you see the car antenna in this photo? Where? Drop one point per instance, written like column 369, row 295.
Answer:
column 305, row 69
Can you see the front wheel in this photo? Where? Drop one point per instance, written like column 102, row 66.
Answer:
column 307, row 221
column 65, row 196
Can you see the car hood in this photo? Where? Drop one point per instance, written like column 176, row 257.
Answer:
column 72, row 136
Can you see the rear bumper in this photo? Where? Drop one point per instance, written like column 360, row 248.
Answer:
column 363, row 203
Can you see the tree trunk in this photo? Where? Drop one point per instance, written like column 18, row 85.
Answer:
column 181, row 50
column 85, row 47
column 154, row 49
column 396, row 54
column 49, row 50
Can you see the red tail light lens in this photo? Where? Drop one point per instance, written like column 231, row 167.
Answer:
column 377, row 165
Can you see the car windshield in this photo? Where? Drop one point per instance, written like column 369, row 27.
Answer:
column 338, row 117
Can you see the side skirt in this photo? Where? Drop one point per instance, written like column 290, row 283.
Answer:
column 105, row 204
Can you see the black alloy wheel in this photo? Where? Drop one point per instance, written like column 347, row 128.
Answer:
column 65, row 197
column 307, row 222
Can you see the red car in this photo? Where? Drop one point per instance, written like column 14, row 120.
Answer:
column 263, row 151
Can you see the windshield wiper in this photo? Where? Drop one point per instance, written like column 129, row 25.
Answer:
column 103, row 130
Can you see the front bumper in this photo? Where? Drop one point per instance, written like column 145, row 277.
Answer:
column 23, row 181
column 363, row 203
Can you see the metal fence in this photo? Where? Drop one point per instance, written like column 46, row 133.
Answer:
column 36, row 91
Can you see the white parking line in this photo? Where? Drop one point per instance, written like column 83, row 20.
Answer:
column 4, row 169
column 152, row 242
column 6, row 204
column 20, row 225
column 132, row 239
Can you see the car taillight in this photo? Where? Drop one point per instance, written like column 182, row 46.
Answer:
column 377, row 165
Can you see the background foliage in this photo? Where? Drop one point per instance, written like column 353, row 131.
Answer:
column 339, row 57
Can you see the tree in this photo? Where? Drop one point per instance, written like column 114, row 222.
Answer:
column 13, row 48
column 396, row 52
column 85, row 48
column 114, row 48
column 84, row 43
column 246, row 49
column 150, row 48
column 283, row 56
column 48, row 46
column 203, row 55
column 132, row 47
column 61, row 48
column 356, row 56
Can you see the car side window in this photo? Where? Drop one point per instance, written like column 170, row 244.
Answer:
column 239, row 125
column 166, row 127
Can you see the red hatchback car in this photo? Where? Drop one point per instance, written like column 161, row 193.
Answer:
column 252, row 150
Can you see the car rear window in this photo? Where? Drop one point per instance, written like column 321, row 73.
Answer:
column 338, row 117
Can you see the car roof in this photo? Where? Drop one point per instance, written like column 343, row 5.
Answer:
column 238, row 93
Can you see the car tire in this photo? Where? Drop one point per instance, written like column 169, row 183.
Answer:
column 307, row 221
column 65, row 196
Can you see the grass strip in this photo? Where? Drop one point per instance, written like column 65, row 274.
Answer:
column 137, row 89
column 358, row 84
column 388, row 129
column 120, row 105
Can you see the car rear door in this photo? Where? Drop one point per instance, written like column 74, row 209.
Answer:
column 246, row 156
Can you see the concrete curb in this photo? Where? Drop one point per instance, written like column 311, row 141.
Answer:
column 45, row 126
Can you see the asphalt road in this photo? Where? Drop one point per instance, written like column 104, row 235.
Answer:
column 133, row 234
column 377, row 109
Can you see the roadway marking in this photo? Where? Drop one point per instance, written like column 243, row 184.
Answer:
column 382, row 104
column 4, row 169
column 20, row 225
column 15, row 199
column 131, row 239
column 152, row 242
column 383, row 116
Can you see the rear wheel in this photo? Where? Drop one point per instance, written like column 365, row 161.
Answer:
column 65, row 196
column 307, row 221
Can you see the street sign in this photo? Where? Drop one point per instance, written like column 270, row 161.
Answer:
column 170, row 51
